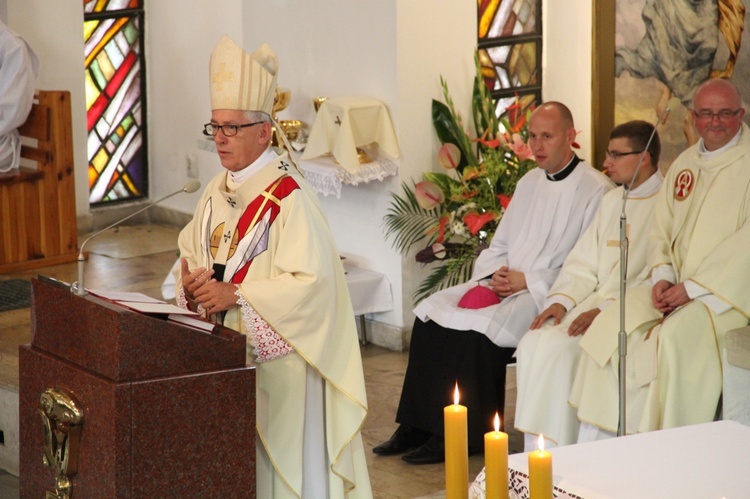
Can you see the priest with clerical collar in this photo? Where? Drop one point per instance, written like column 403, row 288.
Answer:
column 258, row 257
column 552, row 206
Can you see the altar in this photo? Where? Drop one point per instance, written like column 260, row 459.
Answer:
column 700, row 461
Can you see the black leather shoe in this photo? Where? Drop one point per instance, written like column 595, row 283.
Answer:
column 433, row 451
column 403, row 439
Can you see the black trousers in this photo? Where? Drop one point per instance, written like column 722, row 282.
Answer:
column 438, row 359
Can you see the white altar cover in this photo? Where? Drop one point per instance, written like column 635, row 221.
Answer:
column 691, row 462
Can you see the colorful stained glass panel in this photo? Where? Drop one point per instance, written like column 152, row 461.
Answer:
column 113, row 102
column 91, row 6
column 501, row 18
column 509, row 37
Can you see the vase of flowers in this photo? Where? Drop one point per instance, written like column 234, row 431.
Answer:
column 455, row 212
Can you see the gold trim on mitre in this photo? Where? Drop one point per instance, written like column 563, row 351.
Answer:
column 242, row 81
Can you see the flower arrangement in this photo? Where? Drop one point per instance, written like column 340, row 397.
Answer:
column 457, row 211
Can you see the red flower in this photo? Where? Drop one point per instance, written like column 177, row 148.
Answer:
column 441, row 233
column 474, row 221
column 504, row 200
column 489, row 143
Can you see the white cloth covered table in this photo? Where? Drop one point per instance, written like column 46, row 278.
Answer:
column 692, row 462
column 343, row 124
column 370, row 292
column 326, row 177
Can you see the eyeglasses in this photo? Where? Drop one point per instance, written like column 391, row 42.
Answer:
column 614, row 155
column 209, row 129
column 724, row 114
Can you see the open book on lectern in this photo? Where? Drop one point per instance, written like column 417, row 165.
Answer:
column 146, row 305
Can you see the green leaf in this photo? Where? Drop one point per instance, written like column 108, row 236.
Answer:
column 449, row 132
column 407, row 222
column 451, row 273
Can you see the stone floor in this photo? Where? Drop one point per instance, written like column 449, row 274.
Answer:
column 143, row 268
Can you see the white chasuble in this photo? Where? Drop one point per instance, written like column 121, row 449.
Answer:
column 542, row 223
column 700, row 230
column 275, row 244
column 589, row 279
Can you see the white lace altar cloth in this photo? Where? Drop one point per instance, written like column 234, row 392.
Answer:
column 326, row 177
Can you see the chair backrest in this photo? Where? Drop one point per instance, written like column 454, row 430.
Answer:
column 38, row 206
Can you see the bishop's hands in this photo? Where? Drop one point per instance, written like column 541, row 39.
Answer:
column 667, row 297
column 505, row 282
column 202, row 289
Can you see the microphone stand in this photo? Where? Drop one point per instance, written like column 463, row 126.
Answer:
column 622, row 338
column 78, row 287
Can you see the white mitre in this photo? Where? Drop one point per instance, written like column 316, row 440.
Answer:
column 242, row 81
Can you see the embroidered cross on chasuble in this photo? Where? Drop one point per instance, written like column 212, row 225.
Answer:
column 243, row 234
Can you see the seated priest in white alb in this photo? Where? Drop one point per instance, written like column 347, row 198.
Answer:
column 698, row 260
column 552, row 206
column 19, row 67
column 589, row 281
column 258, row 257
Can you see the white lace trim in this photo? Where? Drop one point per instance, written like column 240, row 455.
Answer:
column 326, row 177
column 267, row 345
column 181, row 298
column 183, row 302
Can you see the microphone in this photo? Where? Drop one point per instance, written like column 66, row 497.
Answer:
column 660, row 121
column 78, row 287
column 622, row 338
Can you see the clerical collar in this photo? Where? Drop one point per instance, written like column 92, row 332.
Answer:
column 562, row 174
column 266, row 157
column 711, row 154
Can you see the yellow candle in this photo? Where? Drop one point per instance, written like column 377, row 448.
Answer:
column 540, row 473
column 456, row 451
column 496, row 462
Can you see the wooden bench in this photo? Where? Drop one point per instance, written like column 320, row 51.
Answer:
column 38, row 206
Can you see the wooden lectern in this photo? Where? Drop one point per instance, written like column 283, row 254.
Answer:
column 115, row 403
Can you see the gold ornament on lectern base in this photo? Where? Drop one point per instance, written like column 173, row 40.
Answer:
column 62, row 419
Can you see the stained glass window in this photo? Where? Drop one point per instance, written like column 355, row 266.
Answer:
column 510, row 50
column 115, row 100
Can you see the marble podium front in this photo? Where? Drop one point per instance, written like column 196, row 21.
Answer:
column 167, row 410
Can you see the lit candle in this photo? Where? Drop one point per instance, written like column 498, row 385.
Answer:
column 456, row 450
column 496, row 462
column 540, row 472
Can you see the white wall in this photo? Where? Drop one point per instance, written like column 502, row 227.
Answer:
column 393, row 50
column 566, row 62
column 179, row 40
column 55, row 32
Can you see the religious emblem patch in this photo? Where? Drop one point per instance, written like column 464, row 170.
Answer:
column 683, row 185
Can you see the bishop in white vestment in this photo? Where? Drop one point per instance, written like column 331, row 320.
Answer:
column 258, row 256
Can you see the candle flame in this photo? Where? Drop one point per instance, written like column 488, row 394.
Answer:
column 497, row 422
column 540, row 442
column 455, row 395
